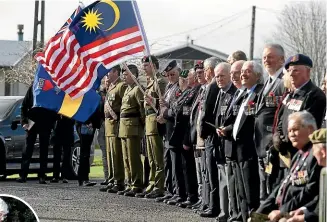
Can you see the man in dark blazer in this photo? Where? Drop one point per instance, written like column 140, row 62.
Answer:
column 225, row 132
column 209, row 135
column 273, row 89
column 225, row 97
column 305, row 96
column 300, row 187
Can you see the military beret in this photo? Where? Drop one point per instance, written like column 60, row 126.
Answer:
column 198, row 65
column 184, row 73
column 171, row 65
column 147, row 59
column 298, row 59
column 130, row 67
column 318, row 136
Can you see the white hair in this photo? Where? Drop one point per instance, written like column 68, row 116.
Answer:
column 305, row 117
column 211, row 62
column 3, row 209
column 224, row 65
column 279, row 48
column 257, row 69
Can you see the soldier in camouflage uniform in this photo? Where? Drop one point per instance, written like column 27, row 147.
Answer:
column 131, row 131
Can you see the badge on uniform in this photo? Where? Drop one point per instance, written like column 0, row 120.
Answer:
column 295, row 104
column 223, row 110
column 250, row 108
column 272, row 100
column 236, row 108
column 186, row 110
column 300, row 178
column 111, row 97
column 268, row 168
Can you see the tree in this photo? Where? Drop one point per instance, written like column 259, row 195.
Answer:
column 302, row 29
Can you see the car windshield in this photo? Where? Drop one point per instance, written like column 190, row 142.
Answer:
column 5, row 106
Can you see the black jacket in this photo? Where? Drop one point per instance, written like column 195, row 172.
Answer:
column 300, row 191
column 264, row 117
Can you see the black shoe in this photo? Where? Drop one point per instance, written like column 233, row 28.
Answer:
column 106, row 188
column 21, row 180
column 64, row 180
column 115, row 189
column 208, row 213
column 142, row 195
column 170, row 199
column 165, row 197
column 201, row 208
column 89, row 183
column 132, row 192
column 221, row 219
column 54, row 180
column 123, row 191
column 105, row 182
column 186, row 203
column 154, row 194
column 196, row 205
column 42, row 181
column 175, row 201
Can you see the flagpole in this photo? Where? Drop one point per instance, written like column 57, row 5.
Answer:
column 137, row 83
column 145, row 41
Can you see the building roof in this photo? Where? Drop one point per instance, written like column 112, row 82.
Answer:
column 190, row 51
column 12, row 52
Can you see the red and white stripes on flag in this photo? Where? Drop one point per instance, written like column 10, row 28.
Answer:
column 74, row 68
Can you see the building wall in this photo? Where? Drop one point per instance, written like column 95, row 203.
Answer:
column 2, row 84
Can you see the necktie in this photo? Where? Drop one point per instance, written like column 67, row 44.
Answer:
column 268, row 86
column 240, row 114
column 234, row 99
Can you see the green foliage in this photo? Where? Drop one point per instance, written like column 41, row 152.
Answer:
column 18, row 211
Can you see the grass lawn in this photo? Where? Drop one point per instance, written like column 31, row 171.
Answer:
column 96, row 170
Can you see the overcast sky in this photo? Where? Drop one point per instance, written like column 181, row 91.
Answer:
column 229, row 30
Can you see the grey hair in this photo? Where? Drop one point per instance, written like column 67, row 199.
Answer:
column 279, row 48
column 211, row 62
column 224, row 65
column 257, row 69
column 305, row 117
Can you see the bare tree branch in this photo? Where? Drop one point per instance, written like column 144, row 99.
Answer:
column 302, row 29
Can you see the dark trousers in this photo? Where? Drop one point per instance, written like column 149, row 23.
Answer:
column 189, row 172
column 262, row 162
column 223, row 191
column 205, row 179
column 84, row 164
column 177, row 172
column 233, row 192
column 211, row 165
column 247, row 179
column 168, row 171
column 197, row 156
column 60, row 148
column 44, row 137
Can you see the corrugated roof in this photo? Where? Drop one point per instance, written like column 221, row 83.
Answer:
column 11, row 52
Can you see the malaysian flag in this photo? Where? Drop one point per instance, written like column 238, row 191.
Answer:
column 102, row 35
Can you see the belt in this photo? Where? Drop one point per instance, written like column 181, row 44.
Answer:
column 111, row 118
column 149, row 112
column 129, row 115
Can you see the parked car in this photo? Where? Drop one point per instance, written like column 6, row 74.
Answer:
column 12, row 141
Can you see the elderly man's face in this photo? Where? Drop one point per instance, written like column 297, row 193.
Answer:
column 298, row 134
column 299, row 75
column 248, row 77
column 235, row 74
column 222, row 77
column 272, row 60
column 319, row 151
column 191, row 78
column 200, row 76
column 208, row 74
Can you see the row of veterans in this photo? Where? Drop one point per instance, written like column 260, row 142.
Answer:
column 218, row 137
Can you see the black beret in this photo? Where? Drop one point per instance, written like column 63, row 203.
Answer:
column 170, row 66
column 298, row 59
column 147, row 59
column 130, row 67
column 198, row 65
